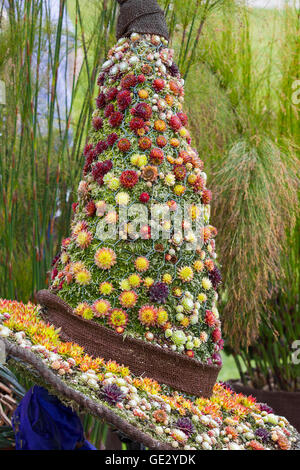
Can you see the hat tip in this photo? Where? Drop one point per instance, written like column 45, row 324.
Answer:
column 139, row 16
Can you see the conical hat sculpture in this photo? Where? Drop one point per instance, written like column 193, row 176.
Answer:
column 129, row 328
column 121, row 287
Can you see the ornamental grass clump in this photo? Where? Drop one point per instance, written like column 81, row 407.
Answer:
column 272, row 362
column 255, row 113
column 257, row 196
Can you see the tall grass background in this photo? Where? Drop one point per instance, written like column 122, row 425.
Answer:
column 249, row 134
column 240, row 66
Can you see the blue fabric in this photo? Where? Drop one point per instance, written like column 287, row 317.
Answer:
column 42, row 422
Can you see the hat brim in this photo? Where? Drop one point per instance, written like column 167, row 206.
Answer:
column 73, row 397
column 139, row 407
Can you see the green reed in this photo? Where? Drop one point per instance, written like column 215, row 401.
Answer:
column 39, row 165
column 288, row 108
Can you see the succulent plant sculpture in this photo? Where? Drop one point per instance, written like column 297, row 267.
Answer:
column 134, row 288
column 119, row 271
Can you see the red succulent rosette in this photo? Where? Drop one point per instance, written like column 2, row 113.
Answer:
column 129, row 178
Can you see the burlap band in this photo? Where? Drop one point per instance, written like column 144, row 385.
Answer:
column 141, row 16
column 176, row 370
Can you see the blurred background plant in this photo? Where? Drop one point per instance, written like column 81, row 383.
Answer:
column 11, row 392
column 252, row 123
column 240, row 80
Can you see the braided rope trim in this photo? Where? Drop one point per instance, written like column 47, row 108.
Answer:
column 83, row 401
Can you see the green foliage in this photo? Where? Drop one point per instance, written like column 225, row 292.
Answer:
column 211, row 117
column 254, row 142
column 288, row 111
column 186, row 21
